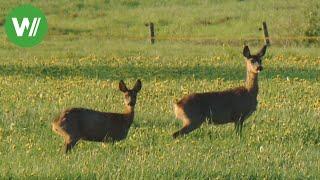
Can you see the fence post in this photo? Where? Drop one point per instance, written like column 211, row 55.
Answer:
column 266, row 33
column 152, row 37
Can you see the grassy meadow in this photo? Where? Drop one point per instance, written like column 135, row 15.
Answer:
column 91, row 45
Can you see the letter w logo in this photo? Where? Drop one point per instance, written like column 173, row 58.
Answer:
column 25, row 25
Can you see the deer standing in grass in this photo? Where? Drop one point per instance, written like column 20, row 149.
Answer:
column 79, row 123
column 230, row 106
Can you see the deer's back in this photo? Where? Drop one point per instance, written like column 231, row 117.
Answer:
column 94, row 125
column 219, row 107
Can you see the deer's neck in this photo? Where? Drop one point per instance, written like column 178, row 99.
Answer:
column 252, row 83
column 129, row 113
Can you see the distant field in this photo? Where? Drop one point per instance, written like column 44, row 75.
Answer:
column 91, row 45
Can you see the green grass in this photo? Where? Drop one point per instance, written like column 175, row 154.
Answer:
column 78, row 64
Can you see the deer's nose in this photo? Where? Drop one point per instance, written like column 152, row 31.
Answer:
column 260, row 68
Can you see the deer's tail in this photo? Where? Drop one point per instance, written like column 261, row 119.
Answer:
column 58, row 126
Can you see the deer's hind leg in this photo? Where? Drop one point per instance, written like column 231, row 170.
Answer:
column 70, row 142
column 188, row 126
column 191, row 120
column 70, row 139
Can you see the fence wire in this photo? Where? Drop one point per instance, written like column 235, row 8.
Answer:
column 161, row 37
column 274, row 40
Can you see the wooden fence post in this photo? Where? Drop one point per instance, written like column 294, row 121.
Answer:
column 266, row 33
column 152, row 36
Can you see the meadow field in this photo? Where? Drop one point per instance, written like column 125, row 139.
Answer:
column 92, row 45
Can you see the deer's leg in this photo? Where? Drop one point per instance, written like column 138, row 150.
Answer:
column 70, row 143
column 238, row 125
column 240, row 128
column 188, row 127
column 185, row 130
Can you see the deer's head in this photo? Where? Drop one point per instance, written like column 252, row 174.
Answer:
column 130, row 95
column 254, row 62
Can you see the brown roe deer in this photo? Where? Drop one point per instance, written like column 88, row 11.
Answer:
column 230, row 106
column 86, row 124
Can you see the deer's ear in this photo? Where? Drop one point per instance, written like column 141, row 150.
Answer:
column 262, row 51
column 122, row 86
column 246, row 52
column 137, row 87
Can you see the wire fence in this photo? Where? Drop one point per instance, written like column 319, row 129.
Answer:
column 274, row 40
column 152, row 36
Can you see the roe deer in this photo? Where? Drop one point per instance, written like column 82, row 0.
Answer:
column 79, row 123
column 230, row 106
